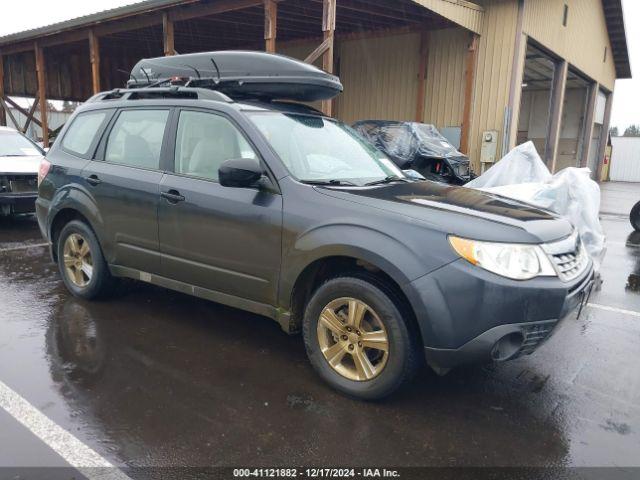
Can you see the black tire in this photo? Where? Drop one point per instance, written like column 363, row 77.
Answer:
column 634, row 217
column 102, row 284
column 404, row 349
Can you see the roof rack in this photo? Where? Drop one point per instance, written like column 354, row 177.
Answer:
column 150, row 92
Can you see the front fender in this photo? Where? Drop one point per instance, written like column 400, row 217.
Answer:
column 382, row 250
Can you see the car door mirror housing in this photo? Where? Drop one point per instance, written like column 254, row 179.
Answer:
column 240, row 173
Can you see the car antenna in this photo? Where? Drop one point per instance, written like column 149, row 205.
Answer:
column 217, row 70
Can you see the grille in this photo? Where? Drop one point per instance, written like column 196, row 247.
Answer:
column 534, row 335
column 23, row 184
column 571, row 265
column 569, row 257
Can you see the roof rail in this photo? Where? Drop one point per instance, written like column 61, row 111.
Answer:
column 146, row 93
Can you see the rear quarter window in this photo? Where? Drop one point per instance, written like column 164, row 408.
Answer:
column 83, row 132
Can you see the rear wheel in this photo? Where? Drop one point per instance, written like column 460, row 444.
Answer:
column 81, row 263
column 635, row 217
column 357, row 340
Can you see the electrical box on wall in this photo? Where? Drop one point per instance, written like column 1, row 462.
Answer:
column 489, row 148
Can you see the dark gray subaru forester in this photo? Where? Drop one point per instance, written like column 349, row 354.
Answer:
column 273, row 208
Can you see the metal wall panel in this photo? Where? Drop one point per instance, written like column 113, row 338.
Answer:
column 493, row 74
column 380, row 78
column 625, row 159
column 582, row 42
column 444, row 99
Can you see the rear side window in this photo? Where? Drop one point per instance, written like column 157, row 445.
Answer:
column 82, row 132
column 136, row 138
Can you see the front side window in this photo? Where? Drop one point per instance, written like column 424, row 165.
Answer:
column 205, row 141
column 14, row 144
column 82, row 132
column 316, row 149
column 136, row 138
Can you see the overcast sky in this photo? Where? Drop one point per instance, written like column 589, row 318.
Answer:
column 18, row 15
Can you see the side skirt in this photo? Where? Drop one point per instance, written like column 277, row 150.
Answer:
column 277, row 314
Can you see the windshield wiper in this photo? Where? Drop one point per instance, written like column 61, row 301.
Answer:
column 389, row 179
column 13, row 155
column 333, row 182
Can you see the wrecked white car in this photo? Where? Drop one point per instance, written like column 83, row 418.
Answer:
column 19, row 163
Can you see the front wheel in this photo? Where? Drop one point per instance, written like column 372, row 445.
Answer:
column 635, row 217
column 357, row 339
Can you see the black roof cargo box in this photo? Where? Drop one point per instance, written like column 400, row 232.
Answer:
column 239, row 74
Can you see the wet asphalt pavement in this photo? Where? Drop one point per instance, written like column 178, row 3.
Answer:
column 157, row 378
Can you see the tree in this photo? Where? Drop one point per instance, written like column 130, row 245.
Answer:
column 614, row 132
column 632, row 131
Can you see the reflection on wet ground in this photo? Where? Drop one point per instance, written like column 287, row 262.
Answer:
column 633, row 242
column 154, row 377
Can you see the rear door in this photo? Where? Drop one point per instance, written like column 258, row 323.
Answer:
column 223, row 239
column 124, row 181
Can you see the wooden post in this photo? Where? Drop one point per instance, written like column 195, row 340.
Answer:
column 328, row 31
column 42, row 93
column 3, row 113
column 425, row 37
column 94, row 57
column 168, row 37
column 270, row 25
column 557, row 105
column 588, row 124
column 469, row 79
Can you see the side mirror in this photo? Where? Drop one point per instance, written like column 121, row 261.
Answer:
column 240, row 173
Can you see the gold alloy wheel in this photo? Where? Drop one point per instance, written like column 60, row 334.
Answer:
column 353, row 339
column 78, row 263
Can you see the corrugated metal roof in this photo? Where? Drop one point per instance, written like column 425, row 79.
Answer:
column 91, row 19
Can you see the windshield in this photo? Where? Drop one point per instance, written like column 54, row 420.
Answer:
column 13, row 144
column 320, row 150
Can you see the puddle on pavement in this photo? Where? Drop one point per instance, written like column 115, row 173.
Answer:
column 633, row 281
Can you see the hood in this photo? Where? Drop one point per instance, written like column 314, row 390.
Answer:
column 462, row 211
column 27, row 164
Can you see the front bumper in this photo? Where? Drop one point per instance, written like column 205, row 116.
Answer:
column 18, row 202
column 468, row 315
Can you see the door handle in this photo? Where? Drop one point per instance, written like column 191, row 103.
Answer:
column 93, row 180
column 172, row 196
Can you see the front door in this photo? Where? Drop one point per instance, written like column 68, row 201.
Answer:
column 223, row 239
column 124, row 181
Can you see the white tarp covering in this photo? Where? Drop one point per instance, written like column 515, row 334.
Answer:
column 522, row 175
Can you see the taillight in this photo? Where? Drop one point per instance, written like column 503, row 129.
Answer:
column 45, row 165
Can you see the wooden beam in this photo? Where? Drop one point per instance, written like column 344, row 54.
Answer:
column 32, row 112
column 6, row 109
column 320, row 49
column 469, row 80
column 328, row 34
column 42, row 92
column 94, row 58
column 270, row 25
column 204, row 9
column 3, row 113
column 425, row 38
column 588, row 124
column 557, row 105
column 168, row 38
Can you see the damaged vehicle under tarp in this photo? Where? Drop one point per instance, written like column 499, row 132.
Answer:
column 418, row 146
column 570, row 193
column 19, row 163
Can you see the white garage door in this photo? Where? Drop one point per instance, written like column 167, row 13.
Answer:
column 625, row 159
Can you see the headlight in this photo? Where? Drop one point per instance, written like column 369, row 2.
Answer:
column 511, row 260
